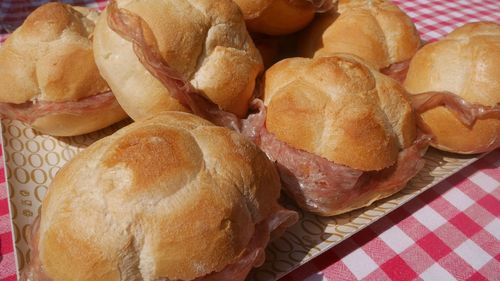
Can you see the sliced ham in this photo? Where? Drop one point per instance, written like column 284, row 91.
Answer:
column 397, row 71
column 34, row 269
column 133, row 28
column 255, row 122
column 321, row 186
column 466, row 112
column 322, row 6
column 28, row 112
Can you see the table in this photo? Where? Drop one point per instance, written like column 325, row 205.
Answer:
column 451, row 231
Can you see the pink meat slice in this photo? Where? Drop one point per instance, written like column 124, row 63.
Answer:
column 322, row 6
column 28, row 112
column 397, row 71
column 467, row 113
column 134, row 29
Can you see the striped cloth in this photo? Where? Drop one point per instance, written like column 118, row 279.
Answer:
column 450, row 232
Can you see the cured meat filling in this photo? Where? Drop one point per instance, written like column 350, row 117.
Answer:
column 28, row 112
column 397, row 71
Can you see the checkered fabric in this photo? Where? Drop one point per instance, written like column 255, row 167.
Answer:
column 450, row 232
column 436, row 18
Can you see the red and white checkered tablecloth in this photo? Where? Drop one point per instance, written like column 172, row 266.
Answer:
column 450, row 232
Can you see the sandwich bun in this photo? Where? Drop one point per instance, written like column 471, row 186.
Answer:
column 49, row 59
column 376, row 31
column 466, row 63
column 343, row 135
column 204, row 41
column 153, row 201
column 339, row 108
column 276, row 17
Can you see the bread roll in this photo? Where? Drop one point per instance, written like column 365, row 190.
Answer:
column 49, row 59
column 205, row 41
column 377, row 31
column 466, row 63
column 276, row 17
column 153, row 201
column 340, row 109
column 342, row 134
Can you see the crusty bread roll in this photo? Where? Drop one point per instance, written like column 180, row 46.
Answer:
column 343, row 135
column 362, row 118
column 466, row 63
column 153, row 201
column 377, row 31
column 50, row 59
column 275, row 48
column 276, row 17
column 205, row 41
column 339, row 108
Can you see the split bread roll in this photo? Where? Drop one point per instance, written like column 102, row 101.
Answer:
column 465, row 63
column 343, row 135
column 278, row 17
column 340, row 109
column 377, row 31
column 153, row 202
column 48, row 77
column 204, row 41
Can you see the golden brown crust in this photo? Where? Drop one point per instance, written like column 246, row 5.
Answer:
column 377, row 31
column 466, row 63
column 153, row 200
column 276, row 17
column 205, row 41
column 50, row 57
column 338, row 108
